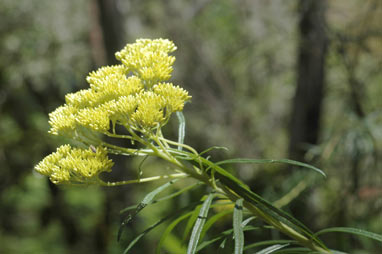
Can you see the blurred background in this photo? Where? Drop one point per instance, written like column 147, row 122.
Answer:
column 269, row 79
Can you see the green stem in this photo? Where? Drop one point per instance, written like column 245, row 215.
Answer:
column 142, row 180
column 127, row 151
column 179, row 144
column 192, row 150
column 114, row 135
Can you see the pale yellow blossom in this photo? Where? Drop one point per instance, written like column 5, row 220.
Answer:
column 75, row 165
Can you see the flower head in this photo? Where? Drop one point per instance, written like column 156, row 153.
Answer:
column 75, row 165
column 149, row 59
column 150, row 111
column 63, row 120
column 174, row 96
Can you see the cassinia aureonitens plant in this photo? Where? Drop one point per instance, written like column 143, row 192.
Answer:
column 133, row 101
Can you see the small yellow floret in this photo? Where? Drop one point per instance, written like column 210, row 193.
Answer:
column 63, row 120
column 81, row 99
column 75, row 165
column 150, row 111
column 94, row 118
column 98, row 78
column 120, row 110
column 174, row 96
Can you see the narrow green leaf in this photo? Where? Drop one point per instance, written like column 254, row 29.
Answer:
column 195, row 235
column 175, row 194
column 173, row 245
column 296, row 250
column 237, row 228
column 272, row 248
column 182, row 155
column 303, row 250
column 248, row 220
column 338, row 252
column 222, row 235
column 206, row 243
column 181, row 129
column 129, row 208
column 172, row 195
column 268, row 242
column 146, row 231
column 146, row 201
column 212, row 221
column 191, row 222
column 194, row 217
column 150, row 196
column 222, row 244
column 136, row 239
column 267, row 161
column 354, row 231
column 213, row 148
column 169, row 229
column 140, row 171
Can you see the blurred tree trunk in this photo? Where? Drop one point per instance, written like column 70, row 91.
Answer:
column 306, row 112
column 107, row 37
column 305, row 120
column 107, row 31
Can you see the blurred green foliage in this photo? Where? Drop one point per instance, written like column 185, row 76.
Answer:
column 237, row 59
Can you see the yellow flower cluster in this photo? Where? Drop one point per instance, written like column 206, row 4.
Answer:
column 132, row 93
column 75, row 165
column 149, row 59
